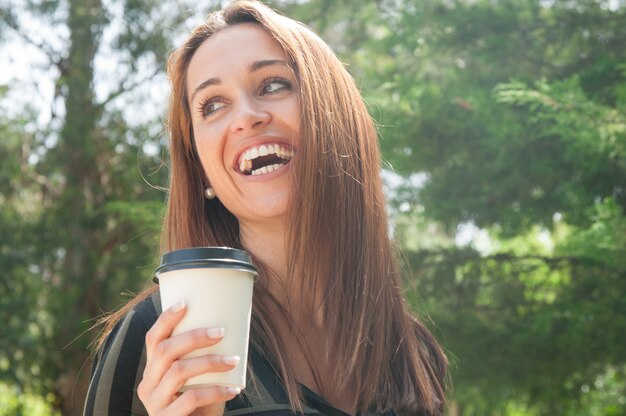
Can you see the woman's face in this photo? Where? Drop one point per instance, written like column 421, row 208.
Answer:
column 245, row 116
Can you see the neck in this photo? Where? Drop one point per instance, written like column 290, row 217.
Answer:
column 267, row 242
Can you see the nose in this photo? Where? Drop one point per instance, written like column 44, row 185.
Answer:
column 249, row 114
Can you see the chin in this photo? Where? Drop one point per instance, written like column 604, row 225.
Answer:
column 269, row 204
column 269, row 212
column 263, row 210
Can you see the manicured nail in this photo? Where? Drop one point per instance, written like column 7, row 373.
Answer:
column 231, row 359
column 178, row 306
column 233, row 390
column 215, row 333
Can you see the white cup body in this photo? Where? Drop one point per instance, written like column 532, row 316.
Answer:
column 215, row 297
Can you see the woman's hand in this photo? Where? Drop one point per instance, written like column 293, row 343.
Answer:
column 166, row 371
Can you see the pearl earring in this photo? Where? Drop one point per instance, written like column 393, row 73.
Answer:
column 209, row 193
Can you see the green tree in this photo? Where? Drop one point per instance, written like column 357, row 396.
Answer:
column 79, row 224
column 540, row 155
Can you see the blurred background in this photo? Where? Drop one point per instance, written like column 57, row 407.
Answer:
column 503, row 128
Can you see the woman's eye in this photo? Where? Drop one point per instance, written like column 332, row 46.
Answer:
column 272, row 86
column 210, row 106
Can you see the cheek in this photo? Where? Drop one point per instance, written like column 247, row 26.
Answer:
column 291, row 116
column 209, row 149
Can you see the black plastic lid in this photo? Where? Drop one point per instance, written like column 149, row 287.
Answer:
column 198, row 257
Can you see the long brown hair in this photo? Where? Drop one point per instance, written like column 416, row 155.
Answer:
column 337, row 227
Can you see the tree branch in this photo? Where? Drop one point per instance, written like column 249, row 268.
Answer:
column 11, row 21
column 125, row 87
column 500, row 258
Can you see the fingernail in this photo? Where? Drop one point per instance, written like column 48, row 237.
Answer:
column 215, row 333
column 233, row 390
column 231, row 359
column 178, row 306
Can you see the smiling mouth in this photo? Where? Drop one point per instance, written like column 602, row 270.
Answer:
column 266, row 158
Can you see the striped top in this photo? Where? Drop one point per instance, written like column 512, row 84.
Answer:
column 118, row 368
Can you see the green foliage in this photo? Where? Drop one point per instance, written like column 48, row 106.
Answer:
column 16, row 403
column 604, row 241
column 528, row 324
column 81, row 207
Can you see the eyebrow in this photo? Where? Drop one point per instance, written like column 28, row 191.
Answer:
column 254, row 66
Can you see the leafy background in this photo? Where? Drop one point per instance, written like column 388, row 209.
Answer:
column 503, row 127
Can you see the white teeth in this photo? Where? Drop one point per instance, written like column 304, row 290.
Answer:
column 267, row 169
column 265, row 150
column 245, row 164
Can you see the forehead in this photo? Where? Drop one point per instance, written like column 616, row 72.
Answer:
column 230, row 50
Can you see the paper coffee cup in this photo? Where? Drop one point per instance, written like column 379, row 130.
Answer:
column 216, row 285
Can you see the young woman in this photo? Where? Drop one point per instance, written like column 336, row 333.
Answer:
column 273, row 151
